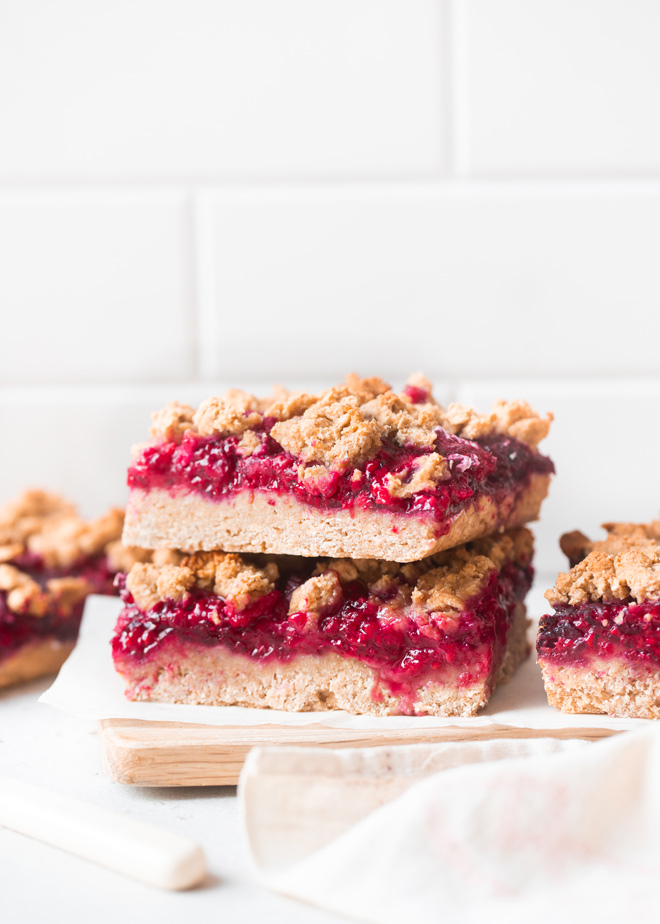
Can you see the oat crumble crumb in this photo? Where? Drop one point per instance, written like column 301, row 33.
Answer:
column 443, row 583
column 624, row 564
column 316, row 595
column 335, row 434
column 172, row 421
column 248, row 444
column 419, row 380
column 122, row 557
column 216, row 415
column 427, row 472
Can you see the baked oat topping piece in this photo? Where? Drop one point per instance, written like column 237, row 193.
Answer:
column 430, row 637
column 357, row 470
column 626, row 564
column 361, row 412
column 49, row 527
column 600, row 648
column 226, row 575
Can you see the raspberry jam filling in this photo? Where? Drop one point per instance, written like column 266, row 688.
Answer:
column 575, row 635
column 94, row 569
column 18, row 629
column 405, row 647
column 496, row 467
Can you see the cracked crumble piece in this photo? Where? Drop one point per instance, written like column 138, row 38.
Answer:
column 600, row 649
column 357, row 470
column 299, row 634
column 50, row 561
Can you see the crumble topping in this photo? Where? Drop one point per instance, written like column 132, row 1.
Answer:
column 216, row 415
column 249, row 443
column 47, row 525
column 149, row 584
column 10, row 550
column 28, row 514
column 443, row 583
column 419, row 381
column 292, row 404
column 342, row 427
column 334, row 433
column 427, row 472
column 316, row 478
column 172, row 421
column 166, row 557
column 123, row 557
column 25, row 595
column 625, row 564
column 575, row 546
column 317, row 595
column 404, row 422
column 449, row 586
column 519, row 420
column 64, row 541
column 66, row 592
column 225, row 574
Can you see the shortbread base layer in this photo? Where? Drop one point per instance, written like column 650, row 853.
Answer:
column 281, row 525
column 609, row 687
column 188, row 673
column 36, row 659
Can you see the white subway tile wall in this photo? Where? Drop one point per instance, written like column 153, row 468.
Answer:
column 196, row 193
column 96, row 287
column 154, row 89
column 463, row 280
column 561, row 87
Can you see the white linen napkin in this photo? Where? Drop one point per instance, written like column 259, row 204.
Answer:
column 522, row 830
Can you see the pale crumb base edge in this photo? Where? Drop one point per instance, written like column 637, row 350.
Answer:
column 309, row 683
column 609, row 687
column 258, row 522
column 34, row 659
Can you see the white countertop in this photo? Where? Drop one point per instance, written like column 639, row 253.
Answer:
column 40, row 884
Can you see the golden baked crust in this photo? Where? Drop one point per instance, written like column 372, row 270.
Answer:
column 440, row 583
column 249, row 522
column 36, row 659
column 604, row 686
column 344, row 426
column 626, row 564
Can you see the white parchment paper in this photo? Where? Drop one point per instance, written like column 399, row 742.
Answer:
column 88, row 685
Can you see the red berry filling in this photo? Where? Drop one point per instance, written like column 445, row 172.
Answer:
column 18, row 629
column 405, row 647
column 496, row 467
column 575, row 635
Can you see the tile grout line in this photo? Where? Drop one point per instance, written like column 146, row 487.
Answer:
column 460, row 179
column 458, row 101
column 205, row 273
column 193, row 283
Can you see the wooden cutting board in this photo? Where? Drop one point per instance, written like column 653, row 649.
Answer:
column 174, row 754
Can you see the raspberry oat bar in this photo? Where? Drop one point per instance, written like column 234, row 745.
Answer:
column 600, row 649
column 356, row 471
column 366, row 636
column 50, row 560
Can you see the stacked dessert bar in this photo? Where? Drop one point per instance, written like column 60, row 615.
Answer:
column 355, row 549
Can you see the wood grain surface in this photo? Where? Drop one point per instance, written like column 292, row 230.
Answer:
column 174, row 754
